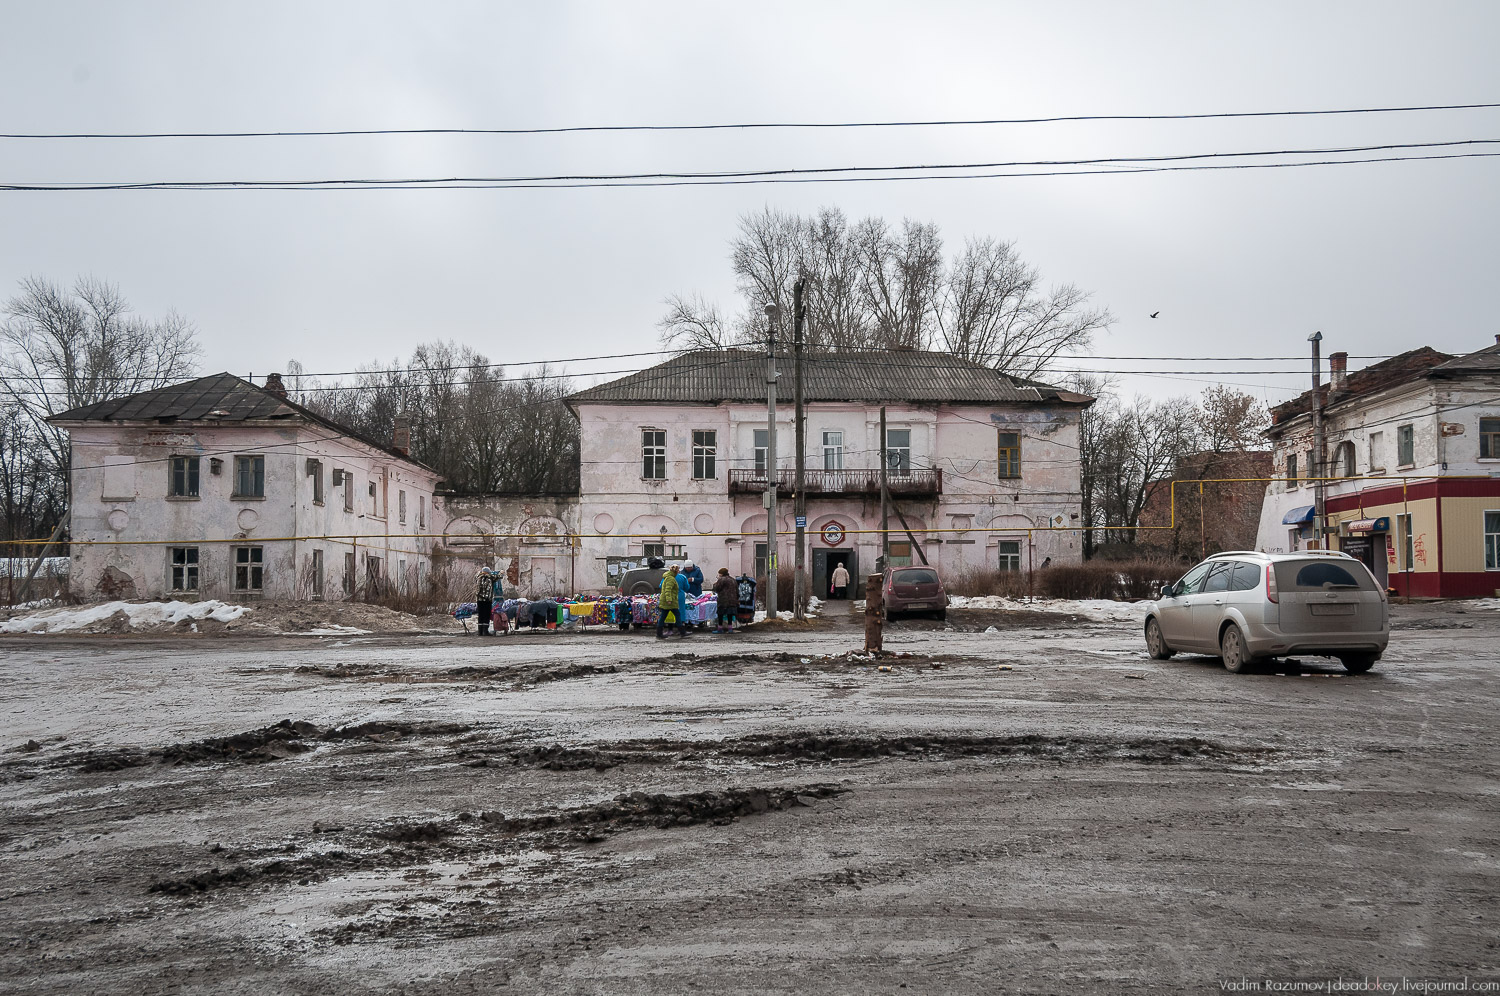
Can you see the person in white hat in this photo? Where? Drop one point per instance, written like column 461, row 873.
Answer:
column 694, row 577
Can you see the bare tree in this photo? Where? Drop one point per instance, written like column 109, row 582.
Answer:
column 873, row 286
column 64, row 348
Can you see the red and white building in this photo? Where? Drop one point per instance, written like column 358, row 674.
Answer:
column 1412, row 462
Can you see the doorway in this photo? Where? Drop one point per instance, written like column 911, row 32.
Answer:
column 1371, row 549
column 823, row 563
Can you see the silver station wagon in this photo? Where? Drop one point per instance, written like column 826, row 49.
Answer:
column 1245, row 606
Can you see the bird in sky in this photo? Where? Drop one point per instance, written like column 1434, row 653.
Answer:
column 1155, row 313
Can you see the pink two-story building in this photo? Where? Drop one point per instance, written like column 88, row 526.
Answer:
column 983, row 468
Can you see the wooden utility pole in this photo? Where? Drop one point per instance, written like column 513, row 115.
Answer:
column 799, row 558
column 771, row 482
column 885, row 502
column 874, row 613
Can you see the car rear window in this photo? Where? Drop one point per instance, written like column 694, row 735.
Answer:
column 1316, row 575
column 918, row 576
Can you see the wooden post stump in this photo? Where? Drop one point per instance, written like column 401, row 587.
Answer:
column 874, row 612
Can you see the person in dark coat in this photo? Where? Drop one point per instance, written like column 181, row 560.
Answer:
column 727, row 591
column 484, row 600
column 694, row 579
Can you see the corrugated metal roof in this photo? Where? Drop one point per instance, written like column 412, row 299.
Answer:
column 713, row 376
column 1411, row 365
column 194, row 400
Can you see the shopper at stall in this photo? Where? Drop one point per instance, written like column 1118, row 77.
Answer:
column 671, row 602
column 484, row 598
column 727, row 596
column 694, row 579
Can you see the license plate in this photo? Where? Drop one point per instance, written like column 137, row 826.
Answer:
column 919, row 605
column 1333, row 610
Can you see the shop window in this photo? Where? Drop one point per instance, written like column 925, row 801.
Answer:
column 249, row 568
column 705, row 454
column 184, row 568
column 1406, row 445
column 249, row 477
column 184, row 477
column 1010, row 555
column 654, row 454
column 1009, row 462
column 1489, row 439
column 1492, row 541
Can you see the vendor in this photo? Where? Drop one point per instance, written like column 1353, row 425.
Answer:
column 694, row 579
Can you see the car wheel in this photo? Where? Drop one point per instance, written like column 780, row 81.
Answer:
column 1156, row 644
column 1232, row 650
column 1358, row 663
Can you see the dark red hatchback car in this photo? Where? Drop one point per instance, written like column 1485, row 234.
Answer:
column 914, row 589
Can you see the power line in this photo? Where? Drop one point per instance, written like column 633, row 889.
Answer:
column 805, row 174
column 748, row 126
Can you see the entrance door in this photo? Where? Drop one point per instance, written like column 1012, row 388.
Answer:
column 823, row 564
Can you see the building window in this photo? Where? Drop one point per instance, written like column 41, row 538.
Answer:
column 1009, row 461
column 762, row 444
column 249, row 566
column 1489, row 439
column 349, row 574
column 1010, row 555
column 1377, row 452
column 1406, row 450
column 348, row 481
column 833, row 450
column 401, row 507
column 900, row 555
column 1408, row 542
column 1291, row 470
column 705, row 449
column 654, row 550
column 315, row 471
column 184, row 482
column 760, row 559
column 654, row 454
column 1343, row 460
column 421, row 514
column 1492, row 541
column 317, row 573
column 249, row 477
column 898, row 451
column 374, row 500
column 184, row 568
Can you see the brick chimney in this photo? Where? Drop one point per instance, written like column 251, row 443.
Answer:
column 401, row 434
column 274, row 386
column 1338, row 370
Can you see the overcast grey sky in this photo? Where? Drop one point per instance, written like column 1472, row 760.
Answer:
column 1381, row 257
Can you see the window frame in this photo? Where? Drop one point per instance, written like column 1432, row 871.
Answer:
column 1489, row 439
column 317, row 574
column 1406, row 438
column 315, row 471
column 760, row 442
column 1005, row 555
column 179, row 572
column 653, row 448
column 1008, row 456
column 188, row 469
column 833, row 453
column 401, row 506
column 249, row 567
column 1373, row 443
column 257, row 464
column 1491, row 539
column 705, row 454
column 1291, row 472
column 897, row 458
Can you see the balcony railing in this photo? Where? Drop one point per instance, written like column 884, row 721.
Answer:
column 839, row 483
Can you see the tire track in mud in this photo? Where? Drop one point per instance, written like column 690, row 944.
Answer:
column 401, row 843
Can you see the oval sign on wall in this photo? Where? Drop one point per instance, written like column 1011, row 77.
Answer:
column 833, row 533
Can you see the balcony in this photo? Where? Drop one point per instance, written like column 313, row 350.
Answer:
column 841, row 483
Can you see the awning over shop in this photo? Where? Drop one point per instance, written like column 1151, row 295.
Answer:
column 1380, row 525
column 1298, row 515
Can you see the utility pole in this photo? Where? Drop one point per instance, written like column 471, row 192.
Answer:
column 799, row 560
column 771, row 482
column 885, row 502
column 1316, row 469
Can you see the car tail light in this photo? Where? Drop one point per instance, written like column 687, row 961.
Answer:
column 1271, row 582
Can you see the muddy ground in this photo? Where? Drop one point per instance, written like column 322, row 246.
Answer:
column 1041, row 809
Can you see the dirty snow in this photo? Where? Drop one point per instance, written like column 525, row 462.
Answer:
column 1093, row 609
column 19, row 567
column 141, row 615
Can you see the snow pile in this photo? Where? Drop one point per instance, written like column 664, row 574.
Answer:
column 334, row 629
column 1477, row 604
column 1092, row 609
column 131, row 616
